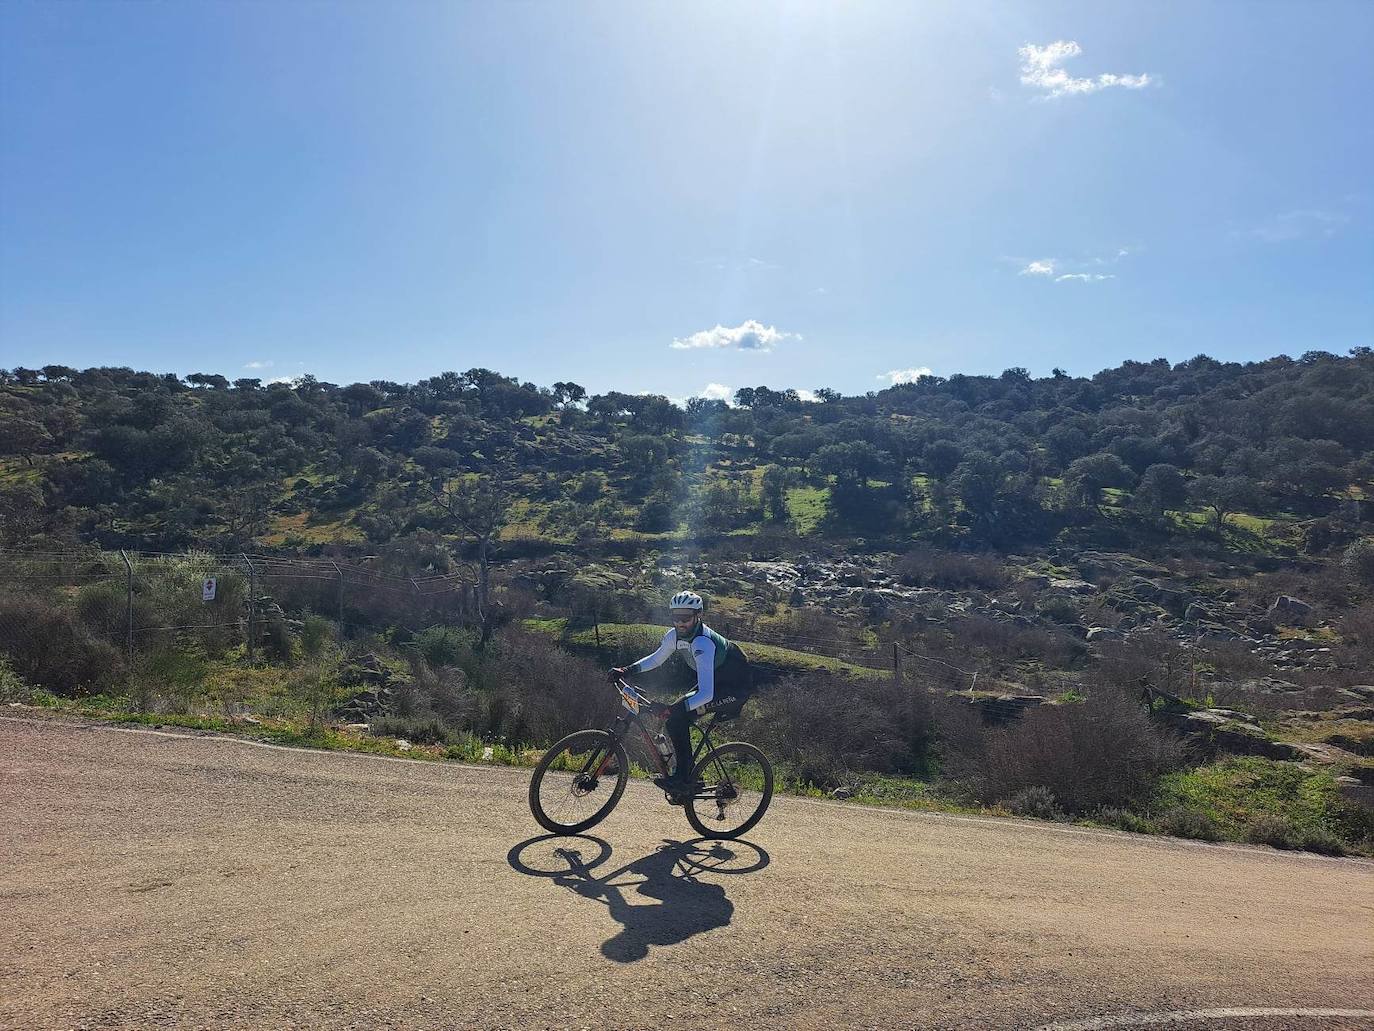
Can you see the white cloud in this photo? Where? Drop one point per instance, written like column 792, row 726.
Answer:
column 289, row 380
column 809, row 396
column 717, row 392
column 1040, row 69
column 895, row 376
column 749, row 335
column 1060, row 270
column 266, row 364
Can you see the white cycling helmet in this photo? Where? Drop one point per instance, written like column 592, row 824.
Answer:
column 687, row 600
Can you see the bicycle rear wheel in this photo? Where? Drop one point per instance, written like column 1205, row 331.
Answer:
column 738, row 787
column 578, row 781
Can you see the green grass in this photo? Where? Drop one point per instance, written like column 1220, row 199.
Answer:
column 302, row 528
column 1250, row 798
column 807, row 507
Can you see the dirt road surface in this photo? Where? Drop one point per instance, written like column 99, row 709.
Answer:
column 170, row 880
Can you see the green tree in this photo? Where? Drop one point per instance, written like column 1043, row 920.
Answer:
column 1223, row 495
column 1087, row 477
column 1162, row 489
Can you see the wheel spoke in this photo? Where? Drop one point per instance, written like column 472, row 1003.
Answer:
column 738, row 788
column 566, row 791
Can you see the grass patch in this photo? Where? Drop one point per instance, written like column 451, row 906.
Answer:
column 807, row 507
column 300, row 529
column 1244, row 798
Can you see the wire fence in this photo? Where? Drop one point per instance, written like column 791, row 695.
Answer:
column 141, row 601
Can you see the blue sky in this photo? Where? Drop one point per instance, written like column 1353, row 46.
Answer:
column 800, row 194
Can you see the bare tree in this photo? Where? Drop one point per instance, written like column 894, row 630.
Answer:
column 477, row 507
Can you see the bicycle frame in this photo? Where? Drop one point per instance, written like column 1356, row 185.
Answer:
column 632, row 699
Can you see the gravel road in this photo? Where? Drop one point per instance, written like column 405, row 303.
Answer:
column 153, row 879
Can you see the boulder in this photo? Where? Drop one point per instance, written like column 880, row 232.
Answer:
column 1225, row 730
column 1289, row 611
column 1067, row 585
column 1198, row 613
column 1103, row 633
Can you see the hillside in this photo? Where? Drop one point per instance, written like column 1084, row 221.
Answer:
column 1180, row 552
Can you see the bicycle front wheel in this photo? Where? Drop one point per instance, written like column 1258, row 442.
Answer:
column 578, row 781
column 738, row 787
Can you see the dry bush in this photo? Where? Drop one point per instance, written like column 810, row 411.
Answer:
column 1150, row 658
column 951, row 570
column 1104, row 751
column 825, row 728
column 521, row 688
column 979, row 642
column 1322, row 586
column 540, row 692
column 48, row 647
column 1357, row 636
column 812, row 623
column 1098, row 613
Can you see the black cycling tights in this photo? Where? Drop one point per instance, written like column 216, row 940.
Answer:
column 676, row 726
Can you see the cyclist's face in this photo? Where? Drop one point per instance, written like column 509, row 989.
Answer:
column 684, row 617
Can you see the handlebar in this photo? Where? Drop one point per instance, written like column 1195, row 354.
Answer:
column 650, row 706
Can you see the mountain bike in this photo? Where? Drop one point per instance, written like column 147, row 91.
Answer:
column 581, row 778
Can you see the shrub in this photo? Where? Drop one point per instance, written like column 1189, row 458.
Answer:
column 1123, row 819
column 1319, row 839
column 1271, row 829
column 1104, row 751
column 420, row 731
column 926, row 567
column 316, row 633
column 824, row 727
column 444, row 646
column 276, row 639
column 656, row 514
column 48, row 647
column 12, row 686
column 1036, row 802
column 1358, row 561
column 1188, row 823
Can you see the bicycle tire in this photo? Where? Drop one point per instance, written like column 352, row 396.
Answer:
column 590, row 739
column 703, row 771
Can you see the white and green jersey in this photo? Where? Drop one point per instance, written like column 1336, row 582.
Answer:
column 704, row 650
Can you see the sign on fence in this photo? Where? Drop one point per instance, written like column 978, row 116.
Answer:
column 207, row 589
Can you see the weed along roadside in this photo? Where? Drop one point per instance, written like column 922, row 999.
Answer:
column 1242, row 799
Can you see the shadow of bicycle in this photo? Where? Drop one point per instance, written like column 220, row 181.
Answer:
column 674, row 877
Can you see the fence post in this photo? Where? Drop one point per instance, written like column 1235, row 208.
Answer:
column 596, row 628
column 252, row 600
column 341, row 594
column 896, row 664
column 128, row 606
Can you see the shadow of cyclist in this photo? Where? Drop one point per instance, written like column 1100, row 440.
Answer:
column 673, row 875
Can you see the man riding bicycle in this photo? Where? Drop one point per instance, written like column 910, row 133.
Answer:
column 724, row 678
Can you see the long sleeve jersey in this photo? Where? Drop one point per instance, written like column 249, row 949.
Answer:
column 704, row 651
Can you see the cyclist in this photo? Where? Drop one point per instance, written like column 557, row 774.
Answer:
column 724, row 678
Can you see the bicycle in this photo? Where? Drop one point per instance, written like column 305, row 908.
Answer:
column 590, row 768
